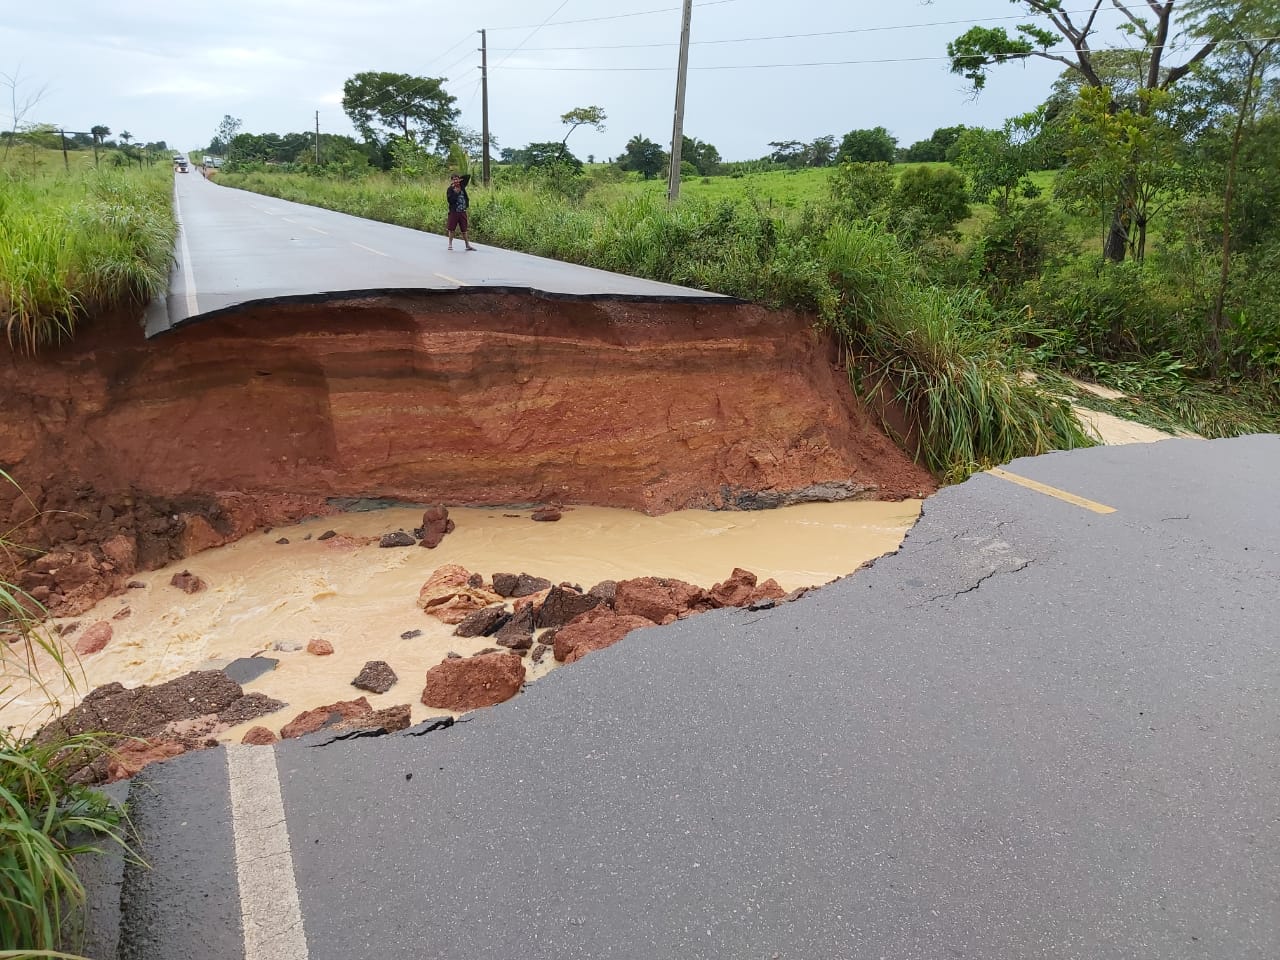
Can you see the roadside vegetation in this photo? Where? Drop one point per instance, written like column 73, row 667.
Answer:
column 77, row 240
column 46, row 821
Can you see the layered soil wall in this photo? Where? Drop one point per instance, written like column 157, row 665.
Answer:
column 462, row 398
column 468, row 399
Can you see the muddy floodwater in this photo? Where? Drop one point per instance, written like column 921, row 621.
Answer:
column 271, row 598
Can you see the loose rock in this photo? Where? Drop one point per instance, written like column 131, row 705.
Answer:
column 94, row 639
column 483, row 623
column 259, row 737
column 518, row 585
column 435, row 524
column 397, row 539
column 564, row 604
column 321, row 648
column 309, row 721
column 376, row 676
column 594, row 630
column 469, row 684
column 187, row 582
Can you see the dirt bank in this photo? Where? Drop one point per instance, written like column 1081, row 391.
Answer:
column 197, row 436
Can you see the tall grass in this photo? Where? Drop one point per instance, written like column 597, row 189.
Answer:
column 936, row 354
column 954, row 375
column 45, row 820
column 75, row 244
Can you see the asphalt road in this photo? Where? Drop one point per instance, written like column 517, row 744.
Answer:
column 1045, row 728
column 236, row 248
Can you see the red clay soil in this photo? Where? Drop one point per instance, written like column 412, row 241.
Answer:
column 197, row 436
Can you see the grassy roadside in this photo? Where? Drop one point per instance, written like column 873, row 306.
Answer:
column 73, row 244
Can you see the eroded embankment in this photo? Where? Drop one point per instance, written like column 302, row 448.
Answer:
column 137, row 452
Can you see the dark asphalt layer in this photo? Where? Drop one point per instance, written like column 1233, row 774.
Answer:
column 237, row 248
column 1034, row 732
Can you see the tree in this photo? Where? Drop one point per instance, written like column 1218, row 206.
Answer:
column 1132, row 151
column 789, row 152
column 644, row 156
column 937, row 148
column 876, row 145
column 417, row 108
column 704, row 157
column 545, row 154
column 1254, row 30
column 99, row 133
column 998, row 162
column 583, row 117
column 126, row 136
column 821, row 152
column 973, row 54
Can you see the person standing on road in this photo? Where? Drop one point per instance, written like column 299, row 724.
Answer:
column 458, row 201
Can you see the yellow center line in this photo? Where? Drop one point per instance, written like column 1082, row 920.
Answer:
column 445, row 276
column 370, row 249
column 1051, row 491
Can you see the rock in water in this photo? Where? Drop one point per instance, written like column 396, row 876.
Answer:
column 376, row 676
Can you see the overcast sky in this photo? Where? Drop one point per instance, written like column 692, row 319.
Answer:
column 171, row 70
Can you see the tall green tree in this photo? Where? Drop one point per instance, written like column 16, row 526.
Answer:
column 584, row 117
column 998, row 163
column 643, row 155
column 876, row 145
column 1241, row 66
column 381, row 105
column 1066, row 36
column 704, row 156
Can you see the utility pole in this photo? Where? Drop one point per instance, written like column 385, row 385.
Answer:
column 484, row 108
column 677, row 134
column 317, row 138
column 65, row 162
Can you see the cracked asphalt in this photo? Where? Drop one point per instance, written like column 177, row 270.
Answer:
column 1035, row 731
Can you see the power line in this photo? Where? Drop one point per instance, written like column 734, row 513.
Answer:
column 563, row 4
column 792, row 36
column 841, row 63
column 615, row 16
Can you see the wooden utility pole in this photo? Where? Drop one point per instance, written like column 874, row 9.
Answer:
column 317, row 138
column 484, row 108
column 65, row 162
column 677, row 134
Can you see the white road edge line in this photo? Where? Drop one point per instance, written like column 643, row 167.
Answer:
column 269, row 906
column 287, row 220
column 370, row 249
column 188, row 270
column 317, row 230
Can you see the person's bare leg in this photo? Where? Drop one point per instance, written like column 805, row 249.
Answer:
column 466, row 242
column 450, row 234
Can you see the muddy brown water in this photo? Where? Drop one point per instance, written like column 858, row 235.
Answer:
column 268, row 598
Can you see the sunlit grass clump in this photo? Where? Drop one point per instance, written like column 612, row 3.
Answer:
column 74, row 244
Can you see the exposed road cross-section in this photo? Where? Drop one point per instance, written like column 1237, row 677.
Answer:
column 235, row 248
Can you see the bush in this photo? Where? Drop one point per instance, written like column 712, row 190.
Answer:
column 1015, row 247
column 859, row 190
column 928, row 202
